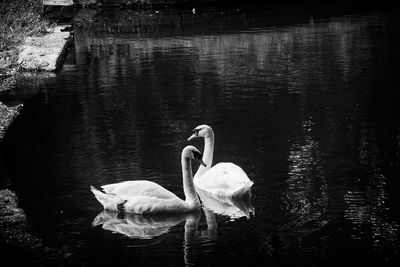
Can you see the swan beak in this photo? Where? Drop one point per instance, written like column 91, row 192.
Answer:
column 202, row 162
column 193, row 136
column 199, row 158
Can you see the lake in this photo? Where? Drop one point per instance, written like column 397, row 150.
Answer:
column 307, row 105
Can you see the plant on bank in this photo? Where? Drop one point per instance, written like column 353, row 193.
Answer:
column 19, row 19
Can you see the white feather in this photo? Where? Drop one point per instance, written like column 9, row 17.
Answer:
column 224, row 179
column 146, row 197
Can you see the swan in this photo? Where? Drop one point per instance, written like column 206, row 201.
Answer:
column 146, row 197
column 225, row 179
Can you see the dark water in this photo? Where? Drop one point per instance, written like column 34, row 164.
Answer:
column 309, row 110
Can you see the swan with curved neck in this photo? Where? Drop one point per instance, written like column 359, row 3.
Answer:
column 225, row 179
column 146, row 197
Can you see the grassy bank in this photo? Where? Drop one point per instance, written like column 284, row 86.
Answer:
column 19, row 19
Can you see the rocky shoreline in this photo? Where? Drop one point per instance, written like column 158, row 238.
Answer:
column 42, row 53
column 18, row 244
column 7, row 115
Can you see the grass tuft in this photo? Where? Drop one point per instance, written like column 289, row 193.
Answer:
column 20, row 18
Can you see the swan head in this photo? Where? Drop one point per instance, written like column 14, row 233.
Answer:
column 201, row 131
column 194, row 154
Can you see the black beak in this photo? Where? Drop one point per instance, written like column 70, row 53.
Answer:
column 198, row 158
column 202, row 162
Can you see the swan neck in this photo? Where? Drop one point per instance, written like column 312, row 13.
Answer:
column 188, row 185
column 207, row 154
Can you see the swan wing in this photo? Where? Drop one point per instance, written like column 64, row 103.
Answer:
column 129, row 189
column 224, row 174
column 224, row 179
column 155, row 205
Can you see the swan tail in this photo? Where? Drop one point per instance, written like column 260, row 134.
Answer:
column 243, row 190
column 108, row 201
column 109, row 188
column 100, row 219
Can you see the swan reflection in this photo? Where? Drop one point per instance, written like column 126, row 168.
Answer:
column 228, row 206
column 145, row 226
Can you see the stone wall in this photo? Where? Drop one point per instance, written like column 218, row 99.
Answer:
column 123, row 2
column 43, row 53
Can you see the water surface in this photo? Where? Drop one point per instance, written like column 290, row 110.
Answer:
column 309, row 110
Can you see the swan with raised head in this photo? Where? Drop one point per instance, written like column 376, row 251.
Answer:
column 146, row 197
column 225, row 179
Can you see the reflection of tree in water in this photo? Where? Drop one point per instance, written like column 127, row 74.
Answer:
column 369, row 203
column 304, row 204
column 344, row 181
column 326, row 181
column 356, row 198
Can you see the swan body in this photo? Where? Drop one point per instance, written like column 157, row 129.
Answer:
column 224, row 179
column 138, row 187
column 146, row 197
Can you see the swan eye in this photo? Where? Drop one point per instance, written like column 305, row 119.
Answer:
column 196, row 132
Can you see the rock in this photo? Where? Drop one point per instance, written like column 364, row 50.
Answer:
column 43, row 53
column 7, row 115
column 16, row 237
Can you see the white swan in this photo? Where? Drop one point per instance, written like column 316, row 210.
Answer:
column 225, row 179
column 146, row 197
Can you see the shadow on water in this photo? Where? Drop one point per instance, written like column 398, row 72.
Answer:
column 309, row 110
